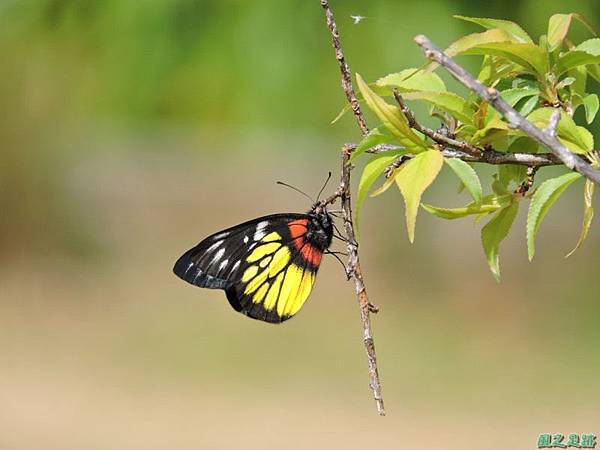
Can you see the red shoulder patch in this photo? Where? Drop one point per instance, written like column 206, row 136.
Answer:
column 298, row 229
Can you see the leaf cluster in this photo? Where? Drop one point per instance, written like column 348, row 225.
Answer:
column 536, row 78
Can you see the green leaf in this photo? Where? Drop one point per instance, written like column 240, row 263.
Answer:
column 591, row 104
column 392, row 118
column 470, row 41
column 416, row 176
column 373, row 169
column 558, row 27
column 410, row 80
column 588, row 214
column 387, row 183
column 512, row 96
column 489, row 204
column 446, row 101
column 494, row 69
column 506, row 25
column 376, row 136
column 576, row 138
column 580, row 75
column 529, row 56
column 494, row 232
column 528, row 106
column 511, row 172
column 586, row 53
column 545, row 196
column 493, row 129
column 468, row 176
column 594, row 71
column 508, row 173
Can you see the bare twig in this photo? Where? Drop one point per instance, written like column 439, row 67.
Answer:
column 353, row 268
column 471, row 153
column 355, row 272
column 437, row 137
column 344, row 69
column 488, row 157
column 513, row 118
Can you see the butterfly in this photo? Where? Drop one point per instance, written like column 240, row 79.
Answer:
column 266, row 266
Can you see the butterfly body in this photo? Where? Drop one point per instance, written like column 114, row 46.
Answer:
column 266, row 266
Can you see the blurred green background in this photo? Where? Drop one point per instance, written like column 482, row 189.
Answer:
column 131, row 130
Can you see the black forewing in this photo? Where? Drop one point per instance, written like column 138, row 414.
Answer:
column 216, row 261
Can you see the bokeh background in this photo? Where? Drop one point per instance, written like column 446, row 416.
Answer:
column 130, row 130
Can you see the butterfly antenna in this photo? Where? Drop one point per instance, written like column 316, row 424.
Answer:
column 324, row 184
column 296, row 189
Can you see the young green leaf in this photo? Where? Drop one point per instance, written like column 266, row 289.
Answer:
column 506, row 25
column 416, row 176
column 579, row 86
column 373, row 169
column 446, row 101
column 494, row 129
column 594, row 71
column 512, row 96
column 545, row 196
column 529, row 105
column 468, row 176
column 511, row 172
column 469, row 41
column 392, row 118
column 586, row 53
column 488, row 205
column 410, row 80
column 494, row 232
column 591, row 104
column 387, row 183
column 558, row 27
column 376, row 136
column 531, row 57
column 588, row 214
column 576, row 138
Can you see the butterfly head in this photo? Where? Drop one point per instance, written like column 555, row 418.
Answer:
column 320, row 227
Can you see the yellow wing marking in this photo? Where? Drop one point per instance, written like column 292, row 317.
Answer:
column 255, row 283
column 262, row 251
column 271, row 298
column 274, row 236
column 292, row 307
column 259, row 295
column 280, row 260
column 294, row 290
column 265, row 262
column 249, row 273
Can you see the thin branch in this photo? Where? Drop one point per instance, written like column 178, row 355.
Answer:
column 355, row 272
column 514, row 119
column 488, row 157
column 344, row 69
column 434, row 135
column 353, row 269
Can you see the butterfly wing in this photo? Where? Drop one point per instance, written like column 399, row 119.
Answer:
column 266, row 266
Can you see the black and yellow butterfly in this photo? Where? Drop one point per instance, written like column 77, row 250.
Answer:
column 266, row 266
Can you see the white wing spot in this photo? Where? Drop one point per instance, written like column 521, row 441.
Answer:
column 223, row 264
column 214, row 246
column 218, row 256
column 235, row 266
column 260, row 230
column 246, row 239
